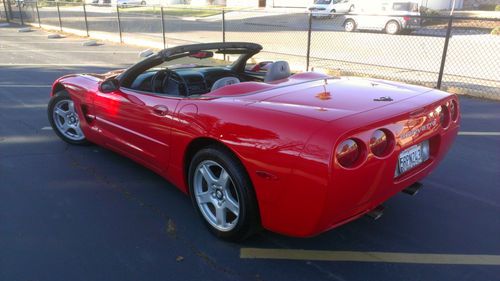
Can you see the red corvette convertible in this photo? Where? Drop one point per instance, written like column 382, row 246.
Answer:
column 254, row 145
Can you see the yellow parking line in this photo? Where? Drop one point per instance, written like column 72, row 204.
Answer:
column 350, row 256
column 479, row 133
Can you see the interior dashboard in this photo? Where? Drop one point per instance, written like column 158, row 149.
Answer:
column 184, row 81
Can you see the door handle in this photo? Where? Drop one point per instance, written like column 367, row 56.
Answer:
column 160, row 110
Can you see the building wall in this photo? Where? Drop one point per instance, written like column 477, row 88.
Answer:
column 441, row 4
column 242, row 3
column 470, row 4
column 289, row 3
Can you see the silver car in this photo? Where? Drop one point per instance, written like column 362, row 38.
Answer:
column 389, row 16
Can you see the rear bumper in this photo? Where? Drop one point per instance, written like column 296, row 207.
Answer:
column 321, row 195
column 384, row 189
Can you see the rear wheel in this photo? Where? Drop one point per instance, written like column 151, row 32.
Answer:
column 350, row 25
column 64, row 119
column 392, row 27
column 223, row 194
column 332, row 12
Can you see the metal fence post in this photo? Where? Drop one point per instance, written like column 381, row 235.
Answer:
column 445, row 51
column 20, row 12
column 224, row 30
column 309, row 31
column 119, row 22
column 86, row 21
column 59, row 15
column 223, row 26
column 6, row 12
column 38, row 15
column 163, row 28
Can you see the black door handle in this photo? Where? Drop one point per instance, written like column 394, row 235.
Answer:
column 160, row 110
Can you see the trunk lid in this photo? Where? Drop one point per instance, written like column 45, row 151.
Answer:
column 332, row 99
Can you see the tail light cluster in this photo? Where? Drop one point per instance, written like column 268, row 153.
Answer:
column 351, row 152
column 447, row 112
column 381, row 143
column 453, row 110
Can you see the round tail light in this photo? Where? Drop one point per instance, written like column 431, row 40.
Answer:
column 380, row 143
column 348, row 153
column 444, row 116
column 453, row 110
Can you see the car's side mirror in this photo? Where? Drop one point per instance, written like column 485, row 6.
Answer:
column 109, row 85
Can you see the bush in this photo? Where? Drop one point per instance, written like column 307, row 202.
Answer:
column 495, row 31
column 487, row 7
column 497, row 8
column 424, row 11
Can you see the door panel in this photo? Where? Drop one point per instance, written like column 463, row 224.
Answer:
column 137, row 124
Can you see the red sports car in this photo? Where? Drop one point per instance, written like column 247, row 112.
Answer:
column 254, row 145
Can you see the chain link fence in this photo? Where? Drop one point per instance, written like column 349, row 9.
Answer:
column 456, row 54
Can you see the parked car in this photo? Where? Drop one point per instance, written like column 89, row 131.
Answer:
column 124, row 3
column 255, row 145
column 393, row 17
column 325, row 8
column 102, row 2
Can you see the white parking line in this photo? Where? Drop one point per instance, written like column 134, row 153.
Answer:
column 479, row 133
column 351, row 256
column 71, row 51
column 65, row 64
column 43, row 42
column 23, row 86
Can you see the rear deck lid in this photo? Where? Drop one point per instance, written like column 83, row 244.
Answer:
column 337, row 98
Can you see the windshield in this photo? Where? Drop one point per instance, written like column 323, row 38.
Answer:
column 322, row 2
column 405, row 6
column 190, row 62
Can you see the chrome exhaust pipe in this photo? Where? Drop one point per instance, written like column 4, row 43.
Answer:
column 376, row 213
column 413, row 189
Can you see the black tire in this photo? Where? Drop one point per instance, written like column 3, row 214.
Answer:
column 406, row 31
column 143, row 3
column 248, row 219
column 392, row 27
column 331, row 13
column 58, row 97
column 349, row 25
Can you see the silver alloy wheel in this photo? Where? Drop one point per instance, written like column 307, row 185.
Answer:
column 216, row 195
column 392, row 27
column 349, row 26
column 66, row 120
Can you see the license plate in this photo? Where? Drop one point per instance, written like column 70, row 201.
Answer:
column 413, row 156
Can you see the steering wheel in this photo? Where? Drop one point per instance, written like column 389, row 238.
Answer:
column 157, row 81
column 172, row 75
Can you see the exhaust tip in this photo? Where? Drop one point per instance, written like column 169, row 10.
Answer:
column 376, row 213
column 413, row 189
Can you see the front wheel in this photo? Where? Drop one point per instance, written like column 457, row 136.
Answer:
column 64, row 119
column 222, row 194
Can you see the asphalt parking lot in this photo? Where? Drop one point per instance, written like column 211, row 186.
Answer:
column 85, row 213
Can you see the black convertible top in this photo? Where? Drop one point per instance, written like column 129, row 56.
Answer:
column 244, row 46
column 247, row 50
